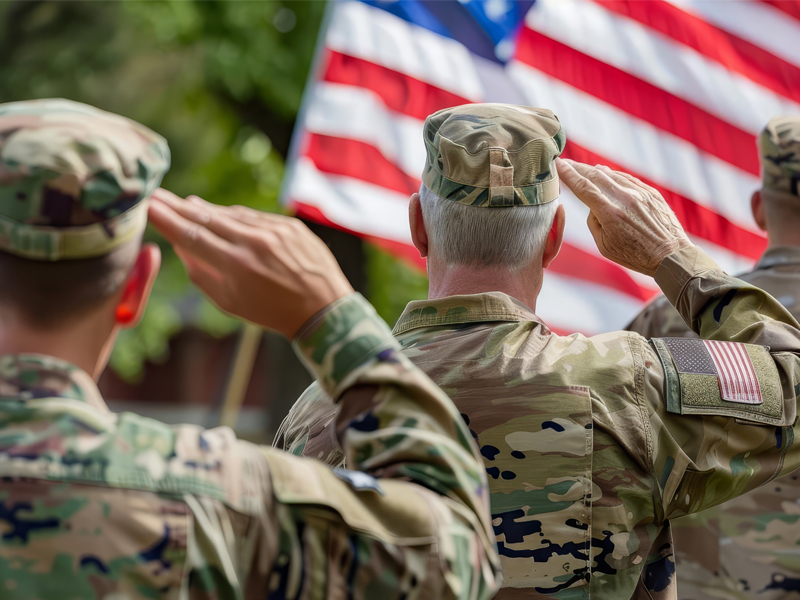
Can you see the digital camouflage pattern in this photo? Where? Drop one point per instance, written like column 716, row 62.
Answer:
column 779, row 149
column 73, row 179
column 747, row 547
column 99, row 505
column 493, row 155
column 587, row 464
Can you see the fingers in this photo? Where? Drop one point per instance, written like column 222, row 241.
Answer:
column 586, row 191
column 203, row 213
column 597, row 231
column 605, row 179
column 207, row 279
column 192, row 238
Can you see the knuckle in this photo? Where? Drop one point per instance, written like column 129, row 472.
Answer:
column 191, row 235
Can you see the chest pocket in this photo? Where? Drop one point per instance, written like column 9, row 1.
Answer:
column 537, row 451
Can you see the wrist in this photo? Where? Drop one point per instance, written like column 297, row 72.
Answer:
column 339, row 339
column 681, row 266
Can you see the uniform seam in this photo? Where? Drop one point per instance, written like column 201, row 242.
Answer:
column 638, row 379
column 482, row 318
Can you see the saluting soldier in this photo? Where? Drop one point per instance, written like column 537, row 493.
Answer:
column 748, row 547
column 592, row 444
column 101, row 505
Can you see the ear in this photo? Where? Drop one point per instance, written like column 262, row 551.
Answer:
column 757, row 206
column 137, row 286
column 418, row 234
column 554, row 237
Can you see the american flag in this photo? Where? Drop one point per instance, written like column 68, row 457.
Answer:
column 673, row 92
column 737, row 377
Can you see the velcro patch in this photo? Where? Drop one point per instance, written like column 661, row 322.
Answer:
column 721, row 378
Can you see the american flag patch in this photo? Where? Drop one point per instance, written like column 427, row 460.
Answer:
column 737, row 377
column 729, row 362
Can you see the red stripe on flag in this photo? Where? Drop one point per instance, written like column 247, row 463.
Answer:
column 640, row 99
column 580, row 264
column 696, row 218
column 352, row 158
column 404, row 251
column 398, row 91
column 715, row 43
column 790, row 7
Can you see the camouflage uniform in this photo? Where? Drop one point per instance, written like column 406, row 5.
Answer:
column 747, row 547
column 593, row 444
column 101, row 505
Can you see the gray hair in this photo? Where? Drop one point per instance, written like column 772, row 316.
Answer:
column 509, row 237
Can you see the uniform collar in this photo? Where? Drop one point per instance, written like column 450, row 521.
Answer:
column 454, row 310
column 31, row 376
column 777, row 256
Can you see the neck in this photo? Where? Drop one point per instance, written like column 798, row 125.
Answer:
column 446, row 280
column 784, row 237
column 81, row 343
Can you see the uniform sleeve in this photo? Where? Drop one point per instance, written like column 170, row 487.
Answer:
column 721, row 412
column 660, row 319
column 394, row 421
column 411, row 517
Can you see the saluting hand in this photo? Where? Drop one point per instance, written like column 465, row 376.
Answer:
column 630, row 221
column 265, row 268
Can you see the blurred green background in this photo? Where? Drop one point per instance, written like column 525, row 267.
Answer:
column 222, row 81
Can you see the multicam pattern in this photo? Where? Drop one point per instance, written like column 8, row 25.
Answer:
column 587, row 466
column 99, row 505
column 72, row 179
column 747, row 547
column 493, row 155
column 779, row 148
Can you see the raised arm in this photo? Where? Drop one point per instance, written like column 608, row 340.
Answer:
column 721, row 415
column 417, row 484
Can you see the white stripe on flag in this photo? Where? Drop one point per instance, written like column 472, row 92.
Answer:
column 758, row 23
column 737, row 377
column 655, row 58
column 354, row 204
column 377, row 36
column 571, row 304
column 356, row 113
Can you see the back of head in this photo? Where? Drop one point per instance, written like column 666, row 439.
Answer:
column 490, row 183
column 74, row 181
column 779, row 147
column 779, row 150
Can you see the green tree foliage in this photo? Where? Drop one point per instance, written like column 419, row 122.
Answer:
column 221, row 80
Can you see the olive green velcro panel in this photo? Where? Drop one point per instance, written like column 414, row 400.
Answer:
column 699, row 393
column 672, row 385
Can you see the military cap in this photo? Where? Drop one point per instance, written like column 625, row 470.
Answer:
column 74, row 179
column 493, row 155
column 779, row 146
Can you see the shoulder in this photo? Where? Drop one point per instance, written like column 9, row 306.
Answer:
column 659, row 319
column 309, row 428
column 128, row 451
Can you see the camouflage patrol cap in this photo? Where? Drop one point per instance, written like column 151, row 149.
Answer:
column 493, row 155
column 779, row 146
column 73, row 179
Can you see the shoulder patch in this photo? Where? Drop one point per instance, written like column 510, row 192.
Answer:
column 704, row 377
